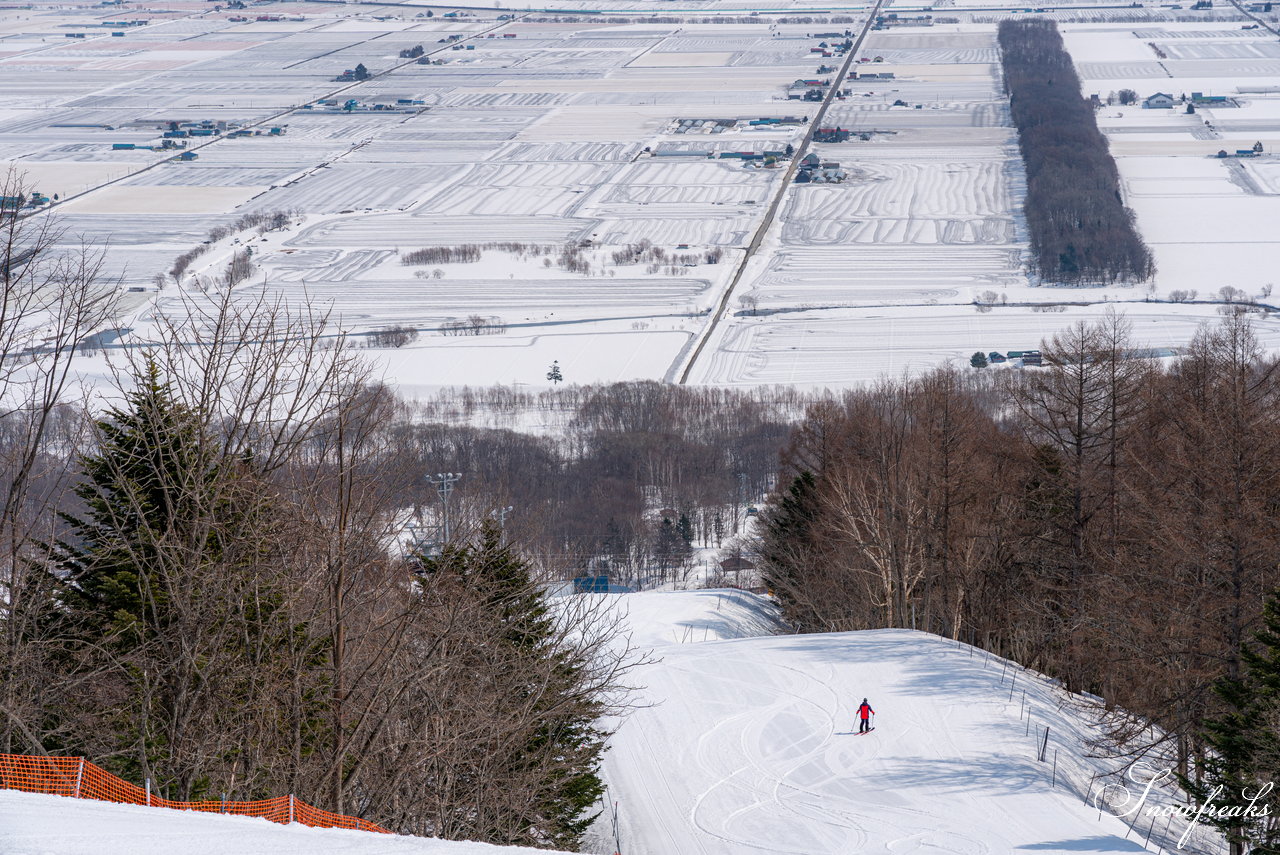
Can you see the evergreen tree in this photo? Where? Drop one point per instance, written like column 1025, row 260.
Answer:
column 670, row 549
column 790, row 526
column 141, row 491
column 1243, row 756
column 554, row 374
column 685, row 527
column 162, row 587
column 562, row 752
column 978, row 360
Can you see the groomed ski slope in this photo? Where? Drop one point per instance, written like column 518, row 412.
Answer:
column 749, row 746
column 51, row 825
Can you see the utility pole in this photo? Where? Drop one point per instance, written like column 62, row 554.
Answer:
column 443, row 482
column 501, row 516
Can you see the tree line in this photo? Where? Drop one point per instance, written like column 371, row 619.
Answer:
column 1080, row 231
column 217, row 583
column 207, row 584
column 206, row 587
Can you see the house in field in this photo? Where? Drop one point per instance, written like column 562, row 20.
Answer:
column 1159, row 101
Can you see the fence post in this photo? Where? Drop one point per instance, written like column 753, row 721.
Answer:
column 224, row 803
column 1013, row 682
column 291, row 807
column 1054, row 784
column 1044, row 746
column 1089, row 792
column 79, row 777
column 148, row 792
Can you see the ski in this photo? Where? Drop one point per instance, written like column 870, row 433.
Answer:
column 865, row 732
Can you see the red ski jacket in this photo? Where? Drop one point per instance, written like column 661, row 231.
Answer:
column 865, row 711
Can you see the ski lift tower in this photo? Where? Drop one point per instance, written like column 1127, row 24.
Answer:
column 443, row 482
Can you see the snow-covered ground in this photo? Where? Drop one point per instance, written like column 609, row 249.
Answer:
column 749, row 745
column 744, row 741
column 33, row 824
column 535, row 133
column 1204, row 217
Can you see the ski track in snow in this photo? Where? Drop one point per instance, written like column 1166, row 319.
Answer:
column 749, row 746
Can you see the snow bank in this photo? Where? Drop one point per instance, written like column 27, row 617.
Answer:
column 33, row 824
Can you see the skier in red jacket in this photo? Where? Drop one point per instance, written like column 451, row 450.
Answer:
column 865, row 712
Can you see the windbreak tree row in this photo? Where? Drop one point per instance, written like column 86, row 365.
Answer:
column 1081, row 232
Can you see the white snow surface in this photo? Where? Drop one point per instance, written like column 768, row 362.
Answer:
column 32, row 824
column 743, row 742
column 748, row 745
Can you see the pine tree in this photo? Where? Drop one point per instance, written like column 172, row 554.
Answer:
column 685, row 527
column 162, row 586
column 562, row 753
column 140, row 494
column 1243, row 743
column 670, row 549
column 978, row 360
column 787, row 542
column 554, row 374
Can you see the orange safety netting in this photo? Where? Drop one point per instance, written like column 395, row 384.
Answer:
column 78, row 778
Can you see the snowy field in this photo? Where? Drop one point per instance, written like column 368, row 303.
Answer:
column 1209, row 220
column 551, row 134
column 750, row 745
column 33, row 824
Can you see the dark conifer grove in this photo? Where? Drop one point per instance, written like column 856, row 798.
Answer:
column 1080, row 231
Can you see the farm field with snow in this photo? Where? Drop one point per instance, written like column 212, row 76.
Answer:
column 594, row 169
column 1205, row 217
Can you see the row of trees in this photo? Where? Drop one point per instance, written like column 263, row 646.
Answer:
column 1080, row 231
column 1106, row 520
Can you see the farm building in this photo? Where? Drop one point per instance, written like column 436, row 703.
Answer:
column 1203, row 100
column 1159, row 101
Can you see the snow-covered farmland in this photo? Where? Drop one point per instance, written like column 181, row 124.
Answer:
column 556, row 134
column 1208, row 219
